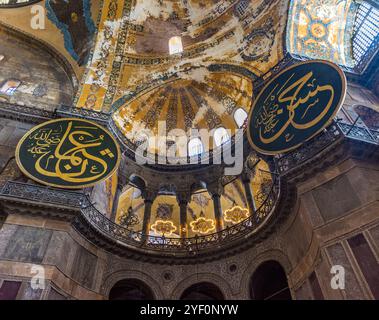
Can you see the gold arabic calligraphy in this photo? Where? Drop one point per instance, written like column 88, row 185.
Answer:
column 283, row 101
column 75, row 165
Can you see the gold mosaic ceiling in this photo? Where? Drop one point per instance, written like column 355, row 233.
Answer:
column 226, row 45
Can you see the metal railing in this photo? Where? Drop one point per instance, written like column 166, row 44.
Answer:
column 183, row 245
column 37, row 193
column 40, row 194
column 337, row 131
column 123, row 235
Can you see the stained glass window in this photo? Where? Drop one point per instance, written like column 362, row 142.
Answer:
column 10, row 87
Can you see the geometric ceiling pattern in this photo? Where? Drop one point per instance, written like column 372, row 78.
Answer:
column 186, row 104
column 322, row 29
column 131, row 73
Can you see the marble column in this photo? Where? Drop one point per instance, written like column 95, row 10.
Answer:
column 216, row 190
column 249, row 195
column 183, row 199
column 218, row 211
column 148, row 197
column 116, row 201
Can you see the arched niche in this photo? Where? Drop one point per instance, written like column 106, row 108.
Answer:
column 131, row 289
column 32, row 73
column 202, row 291
column 269, row 282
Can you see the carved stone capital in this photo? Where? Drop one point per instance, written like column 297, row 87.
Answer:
column 184, row 197
column 216, row 189
column 149, row 195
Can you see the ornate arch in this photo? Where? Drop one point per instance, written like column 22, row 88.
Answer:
column 115, row 277
column 214, row 279
column 42, row 45
column 275, row 255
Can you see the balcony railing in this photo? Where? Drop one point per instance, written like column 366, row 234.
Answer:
column 37, row 193
column 186, row 245
column 27, row 193
column 337, row 131
column 23, row 192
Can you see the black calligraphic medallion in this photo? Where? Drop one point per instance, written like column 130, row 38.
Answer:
column 296, row 105
column 68, row 153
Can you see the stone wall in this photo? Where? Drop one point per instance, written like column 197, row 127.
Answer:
column 44, row 83
column 10, row 133
column 310, row 241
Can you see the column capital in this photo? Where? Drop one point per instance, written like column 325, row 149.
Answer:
column 216, row 189
column 149, row 195
column 245, row 177
column 183, row 197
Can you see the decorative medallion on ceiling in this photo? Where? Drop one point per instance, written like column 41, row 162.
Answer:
column 322, row 29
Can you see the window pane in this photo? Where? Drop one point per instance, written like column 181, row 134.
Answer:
column 220, row 136
column 366, row 31
column 175, row 45
column 195, row 147
column 240, row 116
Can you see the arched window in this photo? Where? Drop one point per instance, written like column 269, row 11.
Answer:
column 195, row 147
column 269, row 282
column 240, row 117
column 366, row 31
column 131, row 289
column 175, row 45
column 221, row 136
column 202, row 291
column 10, row 86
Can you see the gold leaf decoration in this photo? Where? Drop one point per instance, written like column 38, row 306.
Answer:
column 202, row 225
column 236, row 214
column 165, row 228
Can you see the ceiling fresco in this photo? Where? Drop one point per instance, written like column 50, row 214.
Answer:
column 16, row 3
column 74, row 20
column 68, row 26
column 236, row 41
column 186, row 104
column 322, row 29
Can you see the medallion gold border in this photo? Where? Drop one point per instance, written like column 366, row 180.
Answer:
column 29, row 175
column 339, row 105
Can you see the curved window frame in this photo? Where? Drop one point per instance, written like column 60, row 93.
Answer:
column 238, row 119
column 175, row 45
column 17, row 5
column 221, row 139
column 195, row 147
column 8, row 89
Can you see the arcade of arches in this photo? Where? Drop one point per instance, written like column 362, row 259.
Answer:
column 180, row 228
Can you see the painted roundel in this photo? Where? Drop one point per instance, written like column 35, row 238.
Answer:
column 296, row 105
column 68, row 153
